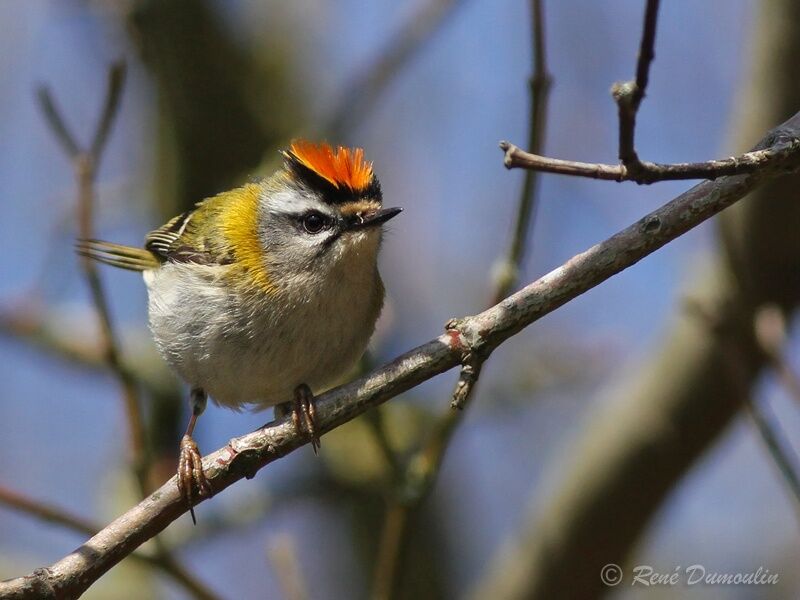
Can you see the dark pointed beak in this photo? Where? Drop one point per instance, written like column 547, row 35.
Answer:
column 374, row 219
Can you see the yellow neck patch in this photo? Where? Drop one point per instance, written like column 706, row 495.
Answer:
column 239, row 224
column 343, row 167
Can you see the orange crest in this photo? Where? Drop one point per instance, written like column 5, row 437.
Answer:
column 344, row 167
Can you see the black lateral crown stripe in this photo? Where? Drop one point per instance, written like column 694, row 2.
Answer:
column 330, row 193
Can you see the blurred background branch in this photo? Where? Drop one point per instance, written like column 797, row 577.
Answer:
column 86, row 163
column 161, row 561
column 424, row 465
column 363, row 92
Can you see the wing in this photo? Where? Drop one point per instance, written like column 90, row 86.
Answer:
column 182, row 239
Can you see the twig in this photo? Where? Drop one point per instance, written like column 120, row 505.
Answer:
column 85, row 164
column 389, row 549
column 770, row 333
column 363, row 92
column 32, row 326
column 735, row 368
column 46, row 512
column 628, row 94
column 648, row 172
column 484, row 332
column 52, row 514
column 676, row 405
column 425, row 466
column 540, row 83
column 770, row 433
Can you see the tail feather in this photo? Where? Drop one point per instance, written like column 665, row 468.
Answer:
column 116, row 255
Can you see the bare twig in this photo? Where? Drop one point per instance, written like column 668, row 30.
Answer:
column 375, row 420
column 46, row 512
column 770, row 433
column 540, row 82
column 32, row 326
column 424, row 467
column 85, row 164
column 628, row 94
column 116, row 80
column 53, row 514
column 648, row 172
column 770, row 333
column 245, row 455
column 389, row 548
column 363, row 92
column 735, row 369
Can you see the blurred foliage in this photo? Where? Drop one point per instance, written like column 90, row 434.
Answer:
column 221, row 106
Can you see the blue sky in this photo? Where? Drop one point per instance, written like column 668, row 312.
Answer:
column 433, row 138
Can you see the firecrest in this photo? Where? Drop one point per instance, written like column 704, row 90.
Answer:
column 259, row 295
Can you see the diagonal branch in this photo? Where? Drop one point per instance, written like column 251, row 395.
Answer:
column 245, row 455
column 57, row 516
column 734, row 354
column 774, row 438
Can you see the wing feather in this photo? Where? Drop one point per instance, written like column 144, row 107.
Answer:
column 117, row 255
column 178, row 240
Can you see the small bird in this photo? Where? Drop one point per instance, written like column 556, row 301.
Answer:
column 261, row 294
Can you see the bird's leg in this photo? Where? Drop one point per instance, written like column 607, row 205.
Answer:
column 190, row 466
column 304, row 408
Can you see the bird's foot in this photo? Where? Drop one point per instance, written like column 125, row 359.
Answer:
column 304, row 414
column 191, row 475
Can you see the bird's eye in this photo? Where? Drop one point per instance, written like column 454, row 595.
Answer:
column 315, row 222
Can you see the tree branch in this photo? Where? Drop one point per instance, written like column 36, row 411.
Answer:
column 770, row 333
column 628, row 94
column 774, row 442
column 85, row 164
column 734, row 352
column 57, row 516
column 540, row 83
column 648, row 172
column 245, row 455
column 32, row 326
